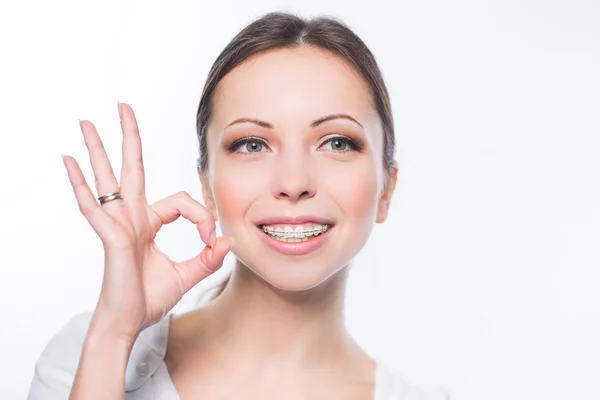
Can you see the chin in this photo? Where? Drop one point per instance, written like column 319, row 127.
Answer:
column 293, row 276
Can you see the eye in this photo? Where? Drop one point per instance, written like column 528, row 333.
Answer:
column 249, row 144
column 340, row 144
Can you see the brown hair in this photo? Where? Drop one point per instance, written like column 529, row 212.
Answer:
column 278, row 30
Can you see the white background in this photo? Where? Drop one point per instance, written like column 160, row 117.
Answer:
column 484, row 280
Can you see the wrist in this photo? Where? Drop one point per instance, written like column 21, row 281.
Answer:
column 106, row 328
column 103, row 362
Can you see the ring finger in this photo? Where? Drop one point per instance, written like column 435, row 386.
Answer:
column 105, row 180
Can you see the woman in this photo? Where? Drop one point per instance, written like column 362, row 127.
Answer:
column 296, row 163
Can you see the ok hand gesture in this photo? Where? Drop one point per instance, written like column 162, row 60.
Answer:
column 141, row 284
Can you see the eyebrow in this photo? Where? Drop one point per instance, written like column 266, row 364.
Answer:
column 313, row 124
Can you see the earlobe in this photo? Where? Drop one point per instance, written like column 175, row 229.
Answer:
column 209, row 201
column 386, row 197
column 382, row 212
column 383, row 209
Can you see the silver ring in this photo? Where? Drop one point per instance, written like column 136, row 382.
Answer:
column 108, row 197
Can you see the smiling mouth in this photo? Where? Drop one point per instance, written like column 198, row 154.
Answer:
column 295, row 233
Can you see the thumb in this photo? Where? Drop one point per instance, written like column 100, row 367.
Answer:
column 204, row 264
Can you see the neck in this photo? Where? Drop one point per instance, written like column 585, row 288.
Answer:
column 288, row 330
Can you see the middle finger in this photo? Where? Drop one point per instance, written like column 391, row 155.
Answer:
column 132, row 171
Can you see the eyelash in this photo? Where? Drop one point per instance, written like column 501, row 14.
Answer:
column 253, row 139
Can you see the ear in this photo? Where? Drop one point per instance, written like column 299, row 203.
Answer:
column 386, row 197
column 209, row 200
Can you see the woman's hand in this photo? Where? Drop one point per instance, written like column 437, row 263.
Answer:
column 141, row 284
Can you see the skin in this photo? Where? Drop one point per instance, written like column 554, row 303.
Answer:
column 277, row 330
column 280, row 320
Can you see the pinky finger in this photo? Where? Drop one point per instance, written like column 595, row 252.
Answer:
column 89, row 207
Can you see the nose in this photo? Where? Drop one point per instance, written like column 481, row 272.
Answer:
column 294, row 178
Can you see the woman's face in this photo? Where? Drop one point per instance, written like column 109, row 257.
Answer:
column 298, row 164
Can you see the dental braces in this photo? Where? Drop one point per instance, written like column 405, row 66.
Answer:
column 295, row 234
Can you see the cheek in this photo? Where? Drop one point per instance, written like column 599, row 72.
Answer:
column 234, row 190
column 355, row 193
column 355, row 190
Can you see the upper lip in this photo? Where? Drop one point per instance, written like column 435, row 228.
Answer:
column 295, row 220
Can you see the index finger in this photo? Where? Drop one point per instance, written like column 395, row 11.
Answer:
column 182, row 204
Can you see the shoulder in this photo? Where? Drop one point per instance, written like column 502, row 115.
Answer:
column 393, row 387
column 55, row 369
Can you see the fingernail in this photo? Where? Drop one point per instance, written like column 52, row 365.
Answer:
column 213, row 239
column 119, row 108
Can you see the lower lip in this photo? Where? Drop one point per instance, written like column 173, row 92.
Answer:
column 295, row 248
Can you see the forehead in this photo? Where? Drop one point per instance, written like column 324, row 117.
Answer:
column 292, row 84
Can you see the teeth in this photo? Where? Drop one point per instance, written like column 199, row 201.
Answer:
column 298, row 234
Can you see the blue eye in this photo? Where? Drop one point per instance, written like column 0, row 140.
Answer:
column 339, row 144
column 253, row 145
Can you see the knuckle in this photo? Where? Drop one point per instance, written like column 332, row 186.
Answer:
column 183, row 195
column 87, row 209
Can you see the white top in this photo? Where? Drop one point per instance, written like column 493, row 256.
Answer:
column 147, row 376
